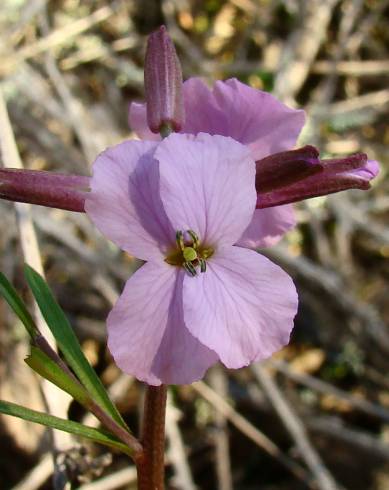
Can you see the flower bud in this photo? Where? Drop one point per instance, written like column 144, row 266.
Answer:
column 285, row 168
column 163, row 84
column 338, row 174
column 44, row 188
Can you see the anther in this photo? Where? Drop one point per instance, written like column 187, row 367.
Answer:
column 190, row 268
column 195, row 238
column 203, row 265
column 180, row 240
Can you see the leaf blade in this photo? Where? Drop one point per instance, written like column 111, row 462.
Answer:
column 11, row 296
column 96, row 435
column 68, row 343
column 48, row 369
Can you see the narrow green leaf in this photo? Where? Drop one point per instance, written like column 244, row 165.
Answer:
column 48, row 369
column 16, row 303
column 68, row 343
column 96, row 435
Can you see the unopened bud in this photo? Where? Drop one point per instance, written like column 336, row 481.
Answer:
column 282, row 169
column 337, row 174
column 163, row 84
column 44, row 188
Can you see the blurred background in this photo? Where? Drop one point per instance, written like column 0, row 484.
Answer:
column 315, row 416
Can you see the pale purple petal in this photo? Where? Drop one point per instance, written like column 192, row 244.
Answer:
column 248, row 115
column 204, row 114
column 356, row 167
column 137, row 119
column 234, row 109
column 207, row 185
column 268, row 226
column 138, row 321
column 242, row 307
column 365, row 173
column 124, row 201
column 146, row 332
column 181, row 358
column 373, row 168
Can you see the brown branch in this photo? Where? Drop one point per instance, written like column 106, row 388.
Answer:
column 150, row 464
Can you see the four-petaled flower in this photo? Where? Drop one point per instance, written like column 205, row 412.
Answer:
column 182, row 205
column 191, row 206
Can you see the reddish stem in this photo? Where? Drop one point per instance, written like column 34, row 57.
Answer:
column 150, row 465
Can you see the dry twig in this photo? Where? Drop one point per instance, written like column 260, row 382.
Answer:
column 255, row 435
column 182, row 479
column 219, row 383
column 296, row 428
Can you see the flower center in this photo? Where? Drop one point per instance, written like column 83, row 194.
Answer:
column 190, row 253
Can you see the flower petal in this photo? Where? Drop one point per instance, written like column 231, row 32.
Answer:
column 181, row 358
column 234, row 109
column 146, row 332
column 279, row 125
column 137, row 120
column 242, row 307
column 267, row 227
column 204, row 115
column 355, row 166
column 207, row 185
column 124, row 201
column 248, row 115
column 372, row 168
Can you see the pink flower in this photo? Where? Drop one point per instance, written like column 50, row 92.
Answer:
column 181, row 205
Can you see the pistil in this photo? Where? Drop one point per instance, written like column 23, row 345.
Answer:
column 190, row 253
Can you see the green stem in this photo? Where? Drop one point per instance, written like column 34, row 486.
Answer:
column 151, row 465
column 165, row 130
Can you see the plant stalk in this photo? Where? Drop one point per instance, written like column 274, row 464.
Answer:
column 150, row 465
